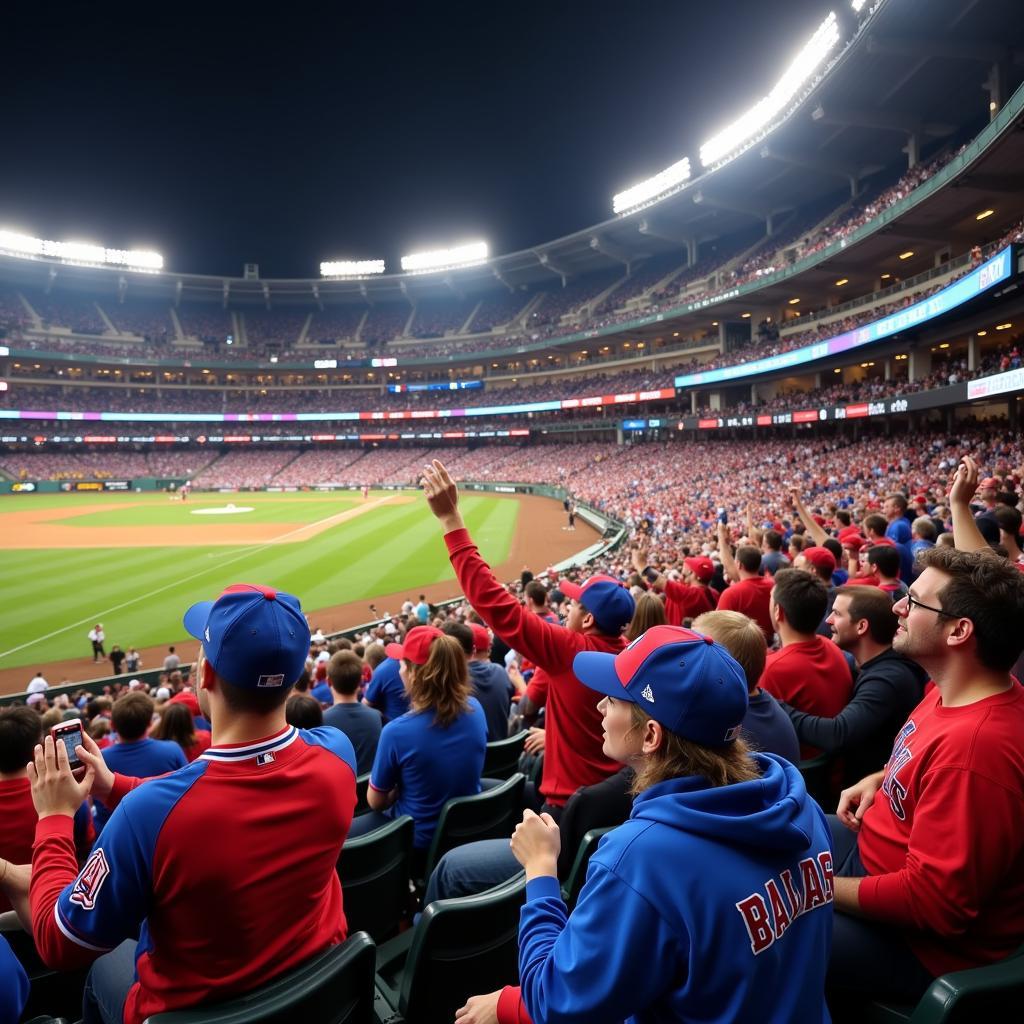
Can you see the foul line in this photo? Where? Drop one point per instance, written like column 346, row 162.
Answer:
column 244, row 553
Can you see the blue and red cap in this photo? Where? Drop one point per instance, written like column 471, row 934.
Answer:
column 687, row 682
column 255, row 637
column 606, row 599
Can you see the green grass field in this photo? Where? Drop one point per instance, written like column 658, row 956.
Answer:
column 51, row 598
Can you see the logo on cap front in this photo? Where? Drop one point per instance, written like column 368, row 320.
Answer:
column 647, row 693
column 274, row 680
column 206, row 633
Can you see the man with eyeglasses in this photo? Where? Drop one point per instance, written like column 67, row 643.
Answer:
column 929, row 853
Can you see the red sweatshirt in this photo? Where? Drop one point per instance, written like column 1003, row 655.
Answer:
column 686, row 601
column 943, row 841
column 573, row 738
column 751, row 597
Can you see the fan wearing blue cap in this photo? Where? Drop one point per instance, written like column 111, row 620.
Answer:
column 211, row 880
column 713, row 901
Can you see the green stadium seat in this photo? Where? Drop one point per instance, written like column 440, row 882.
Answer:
column 374, row 870
column 362, row 786
column 983, row 994
column 459, row 948
column 335, row 987
column 502, row 758
column 578, row 871
column 492, row 814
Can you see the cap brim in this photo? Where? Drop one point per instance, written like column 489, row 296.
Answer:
column 395, row 651
column 596, row 671
column 196, row 618
column 570, row 590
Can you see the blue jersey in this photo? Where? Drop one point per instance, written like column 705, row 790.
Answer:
column 140, row 759
column 386, row 691
column 430, row 764
column 709, row 904
column 13, row 985
column 224, row 870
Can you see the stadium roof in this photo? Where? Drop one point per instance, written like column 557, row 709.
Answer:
column 897, row 82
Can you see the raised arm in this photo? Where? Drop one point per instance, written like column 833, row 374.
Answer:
column 963, row 487
column 816, row 532
column 725, row 553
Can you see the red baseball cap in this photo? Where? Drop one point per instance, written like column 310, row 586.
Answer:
column 481, row 638
column 853, row 541
column 416, row 646
column 990, row 481
column 820, row 558
column 701, row 566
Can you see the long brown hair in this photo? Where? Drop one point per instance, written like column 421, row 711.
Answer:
column 677, row 758
column 650, row 611
column 442, row 684
column 176, row 724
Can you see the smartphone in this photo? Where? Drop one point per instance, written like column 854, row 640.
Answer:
column 70, row 734
column 723, row 517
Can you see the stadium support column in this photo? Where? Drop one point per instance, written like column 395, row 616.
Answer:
column 722, row 335
column 1013, row 413
column 693, row 403
column 620, row 437
column 913, row 151
column 920, row 364
column 996, row 87
column 973, row 347
column 888, row 369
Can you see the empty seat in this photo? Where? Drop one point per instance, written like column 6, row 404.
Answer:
column 502, row 758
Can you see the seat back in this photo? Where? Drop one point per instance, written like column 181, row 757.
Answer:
column 578, row 871
column 335, row 987
column 817, row 775
column 462, row 947
column 502, row 758
column 362, row 786
column 492, row 814
column 374, row 870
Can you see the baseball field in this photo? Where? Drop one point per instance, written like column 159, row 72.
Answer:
column 134, row 562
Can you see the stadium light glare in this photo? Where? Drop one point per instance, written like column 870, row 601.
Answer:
column 652, row 190
column 858, row 5
column 906, row 255
column 444, row 259
column 794, row 302
column 13, row 243
column 984, row 214
column 351, row 268
column 842, row 281
column 753, row 125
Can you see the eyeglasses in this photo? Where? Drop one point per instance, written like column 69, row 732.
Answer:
column 912, row 602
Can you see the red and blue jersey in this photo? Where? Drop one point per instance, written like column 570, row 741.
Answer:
column 224, row 870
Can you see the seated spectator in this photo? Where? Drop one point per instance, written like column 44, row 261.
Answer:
column 887, row 688
column 176, row 724
column 808, row 671
column 134, row 753
column 303, row 711
column 20, row 730
column 884, row 567
column 895, row 510
column 772, row 557
column 929, row 852
column 361, row 724
column 765, row 725
column 645, row 940
column 650, row 612
column 875, row 527
column 491, row 685
column 204, row 844
column 386, row 692
column 436, row 750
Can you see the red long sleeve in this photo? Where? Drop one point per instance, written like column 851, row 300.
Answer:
column 511, row 1008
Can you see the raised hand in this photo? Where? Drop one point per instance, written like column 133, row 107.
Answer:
column 442, row 496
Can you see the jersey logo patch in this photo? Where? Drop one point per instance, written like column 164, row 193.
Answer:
column 274, row 680
column 647, row 693
column 90, row 881
column 265, row 758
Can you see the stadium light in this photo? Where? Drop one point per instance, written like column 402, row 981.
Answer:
column 445, row 259
column 760, row 118
column 662, row 185
column 857, row 5
column 12, row 243
column 351, row 268
column 984, row 214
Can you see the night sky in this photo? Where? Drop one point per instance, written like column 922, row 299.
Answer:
column 223, row 135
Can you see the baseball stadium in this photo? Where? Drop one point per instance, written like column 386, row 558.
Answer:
column 785, row 369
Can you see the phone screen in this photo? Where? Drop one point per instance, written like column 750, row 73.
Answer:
column 71, row 738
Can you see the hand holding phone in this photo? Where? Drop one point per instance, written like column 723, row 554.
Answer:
column 70, row 734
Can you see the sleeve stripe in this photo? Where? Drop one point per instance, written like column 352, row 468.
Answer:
column 67, row 933
column 377, row 789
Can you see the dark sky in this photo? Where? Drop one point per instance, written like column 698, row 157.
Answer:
column 225, row 134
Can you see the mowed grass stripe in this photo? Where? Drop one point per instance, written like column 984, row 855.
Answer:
column 391, row 548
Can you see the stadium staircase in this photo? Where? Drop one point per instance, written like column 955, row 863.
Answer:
column 358, row 336
column 524, row 314
column 587, row 309
column 106, row 319
column 407, row 329
column 304, row 333
column 179, row 334
column 37, row 322
column 464, row 329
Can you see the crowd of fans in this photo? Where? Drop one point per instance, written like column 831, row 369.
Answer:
column 844, row 601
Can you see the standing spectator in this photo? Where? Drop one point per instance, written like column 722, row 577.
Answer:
column 884, row 566
column 929, row 852
column 751, row 595
column 134, row 753
column 436, row 751
column 648, row 613
column 361, row 724
column 37, row 684
column 177, row 726
column 895, row 510
column 117, row 658
column 887, row 688
column 172, row 661
column 686, row 599
column 599, row 612
column 423, row 610
column 205, row 843
column 132, row 661
column 772, row 558
column 96, row 637
column 808, row 671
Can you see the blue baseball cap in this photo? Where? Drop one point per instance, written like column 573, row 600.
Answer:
column 687, row 682
column 610, row 603
column 254, row 637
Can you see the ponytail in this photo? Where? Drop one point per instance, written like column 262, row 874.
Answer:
column 442, row 684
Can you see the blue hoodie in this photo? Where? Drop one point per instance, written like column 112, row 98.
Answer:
column 709, row 904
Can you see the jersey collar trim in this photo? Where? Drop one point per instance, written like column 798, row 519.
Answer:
column 246, row 751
